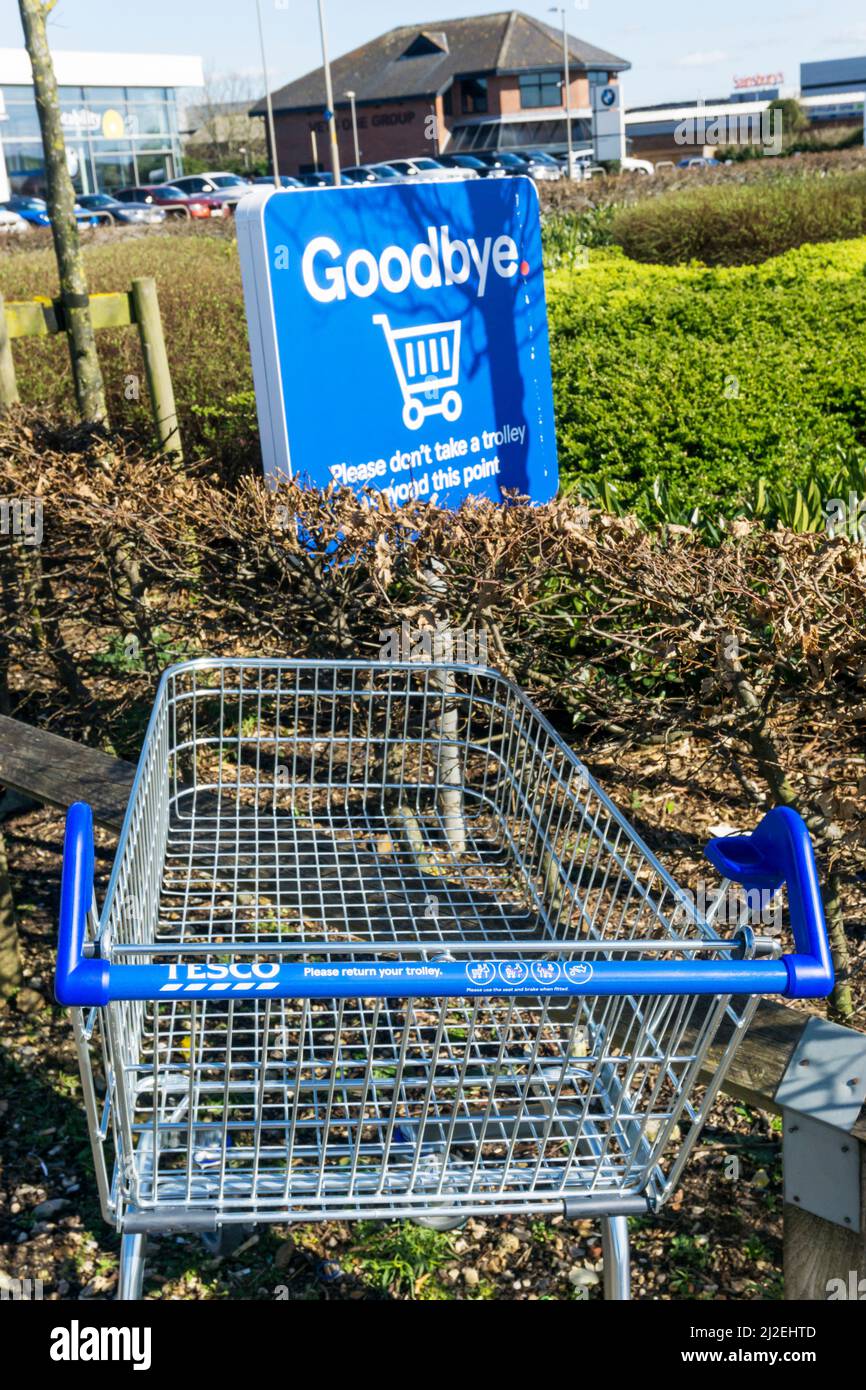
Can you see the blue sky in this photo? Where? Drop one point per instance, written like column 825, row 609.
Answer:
column 677, row 50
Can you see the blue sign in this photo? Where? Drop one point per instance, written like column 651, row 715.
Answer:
column 399, row 338
column 608, row 97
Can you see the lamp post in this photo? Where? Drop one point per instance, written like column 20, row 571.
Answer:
column 554, row 9
column 330, row 115
column 271, row 135
column 351, row 96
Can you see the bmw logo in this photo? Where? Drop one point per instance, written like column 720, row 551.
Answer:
column 608, row 97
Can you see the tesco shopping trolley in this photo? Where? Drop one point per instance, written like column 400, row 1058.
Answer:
column 427, row 362
column 376, row 944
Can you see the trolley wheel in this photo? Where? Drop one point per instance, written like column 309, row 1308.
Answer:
column 131, row 1278
column 413, row 415
column 439, row 1223
column 225, row 1240
column 452, row 405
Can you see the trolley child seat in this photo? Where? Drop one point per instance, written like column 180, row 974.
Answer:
column 376, row 944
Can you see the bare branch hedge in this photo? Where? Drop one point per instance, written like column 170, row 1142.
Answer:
column 756, row 648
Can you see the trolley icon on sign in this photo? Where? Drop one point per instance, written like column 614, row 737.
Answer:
column 427, row 362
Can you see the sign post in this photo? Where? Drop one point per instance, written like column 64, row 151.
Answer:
column 608, row 123
column 399, row 338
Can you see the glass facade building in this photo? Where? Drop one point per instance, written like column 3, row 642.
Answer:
column 115, row 134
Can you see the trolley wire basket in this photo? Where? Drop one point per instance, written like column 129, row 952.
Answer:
column 376, row 944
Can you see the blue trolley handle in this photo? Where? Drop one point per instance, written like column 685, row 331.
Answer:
column 778, row 851
column 79, row 979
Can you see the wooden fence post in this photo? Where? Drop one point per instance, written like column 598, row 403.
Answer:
column 147, row 316
column 8, row 383
column 10, row 958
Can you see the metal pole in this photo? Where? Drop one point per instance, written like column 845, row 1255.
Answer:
column 329, row 97
column 271, row 134
column 315, row 151
column 567, row 76
column 351, row 96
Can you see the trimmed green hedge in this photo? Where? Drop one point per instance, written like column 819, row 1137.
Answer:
column 709, row 379
column 739, row 224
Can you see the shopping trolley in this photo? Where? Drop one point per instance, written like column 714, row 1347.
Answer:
column 376, row 944
column 427, row 362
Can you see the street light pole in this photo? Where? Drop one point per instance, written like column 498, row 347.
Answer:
column 351, row 96
column 329, row 97
column 271, row 134
column 566, row 84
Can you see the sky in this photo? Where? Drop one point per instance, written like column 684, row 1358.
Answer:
column 678, row 51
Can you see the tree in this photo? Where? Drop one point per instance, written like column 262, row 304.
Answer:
column 224, row 135
column 86, row 372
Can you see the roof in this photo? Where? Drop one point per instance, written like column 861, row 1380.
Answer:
column 509, row 41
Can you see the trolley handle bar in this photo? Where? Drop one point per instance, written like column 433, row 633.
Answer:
column 79, row 980
column 779, row 850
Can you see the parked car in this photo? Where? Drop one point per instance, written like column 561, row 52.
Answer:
column 503, row 160
column 35, row 211
column 583, row 165
column 321, row 178
column 696, row 161
column 538, row 165
column 387, row 173
column 122, row 212
column 228, row 188
column 12, row 222
column 359, row 173
column 170, row 197
column 425, row 170
column 286, row 180
column 469, row 162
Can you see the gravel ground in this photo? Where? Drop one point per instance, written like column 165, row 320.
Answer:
column 718, row 1238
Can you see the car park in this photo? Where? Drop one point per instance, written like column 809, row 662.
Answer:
column 35, row 211
column 470, row 162
column 422, row 169
column 228, row 188
column 175, row 202
column 284, row 180
column 113, row 210
column 387, row 173
column 538, row 165
column 503, row 160
column 359, row 173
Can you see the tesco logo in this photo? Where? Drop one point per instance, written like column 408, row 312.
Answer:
column 328, row 276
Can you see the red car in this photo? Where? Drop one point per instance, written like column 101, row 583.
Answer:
column 165, row 195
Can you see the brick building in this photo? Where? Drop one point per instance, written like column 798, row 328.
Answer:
column 490, row 82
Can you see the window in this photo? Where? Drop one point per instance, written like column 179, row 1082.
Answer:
column 474, row 95
column 425, row 45
column 448, row 102
column 598, row 79
column 540, row 89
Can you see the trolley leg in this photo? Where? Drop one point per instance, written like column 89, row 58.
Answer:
column 617, row 1261
column 129, row 1285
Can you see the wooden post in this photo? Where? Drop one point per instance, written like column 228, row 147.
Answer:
column 147, row 316
column 8, row 383
column 10, row 959
column 823, row 1261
